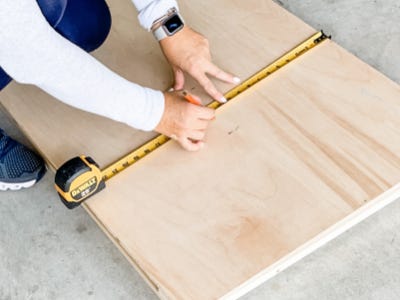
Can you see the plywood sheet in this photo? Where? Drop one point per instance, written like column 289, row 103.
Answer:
column 285, row 161
column 288, row 165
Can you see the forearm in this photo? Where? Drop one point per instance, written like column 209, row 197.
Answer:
column 32, row 52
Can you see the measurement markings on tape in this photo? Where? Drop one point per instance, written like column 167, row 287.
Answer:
column 155, row 143
column 80, row 177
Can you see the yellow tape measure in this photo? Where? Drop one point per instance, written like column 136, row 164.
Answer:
column 80, row 178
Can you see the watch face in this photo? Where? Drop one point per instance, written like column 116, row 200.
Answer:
column 173, row 24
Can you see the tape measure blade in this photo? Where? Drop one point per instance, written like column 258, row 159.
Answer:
column 134, row 156
column 160, row 140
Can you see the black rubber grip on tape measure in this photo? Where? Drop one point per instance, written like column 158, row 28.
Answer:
column 70, row 170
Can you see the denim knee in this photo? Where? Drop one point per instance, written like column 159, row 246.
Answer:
column 86, row 23
column 4, row 79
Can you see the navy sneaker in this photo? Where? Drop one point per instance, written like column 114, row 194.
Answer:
column 19, row 166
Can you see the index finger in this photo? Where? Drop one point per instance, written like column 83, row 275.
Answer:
column 216, row 72
column 209, row 87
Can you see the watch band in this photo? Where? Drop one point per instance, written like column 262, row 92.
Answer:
column 162, row 28
column 160, row 33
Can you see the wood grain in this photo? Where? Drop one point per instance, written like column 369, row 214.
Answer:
column 289, row 165
column 284, row 162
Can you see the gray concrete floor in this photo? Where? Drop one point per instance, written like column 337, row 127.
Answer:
column 47, row 252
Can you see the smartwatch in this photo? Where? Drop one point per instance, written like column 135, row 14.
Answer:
column 167, row 25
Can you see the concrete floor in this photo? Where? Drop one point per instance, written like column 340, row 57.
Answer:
column 48, row 252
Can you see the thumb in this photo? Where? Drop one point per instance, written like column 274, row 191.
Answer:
column 179, row 79
column 190, row 145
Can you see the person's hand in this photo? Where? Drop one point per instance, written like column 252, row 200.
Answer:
column 185, row 122
column 188, row 51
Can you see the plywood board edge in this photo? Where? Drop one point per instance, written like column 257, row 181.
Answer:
column 320, row 240
column 52, row 168
column 156, row 288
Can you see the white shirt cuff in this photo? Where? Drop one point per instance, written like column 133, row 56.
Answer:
column 151, row 10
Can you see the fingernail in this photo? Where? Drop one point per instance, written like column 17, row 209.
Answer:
column 223, row 100
column 236, row 79
column 171, row 89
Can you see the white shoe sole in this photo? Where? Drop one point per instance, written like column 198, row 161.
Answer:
column 16, row 186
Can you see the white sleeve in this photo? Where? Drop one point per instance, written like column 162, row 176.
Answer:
column 32, row 52
column 151, row 10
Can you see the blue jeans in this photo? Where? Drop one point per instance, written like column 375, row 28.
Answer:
column 86, row 23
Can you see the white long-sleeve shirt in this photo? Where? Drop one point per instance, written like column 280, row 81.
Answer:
column 32, row 52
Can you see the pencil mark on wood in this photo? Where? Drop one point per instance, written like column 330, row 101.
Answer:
column 233, row 130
